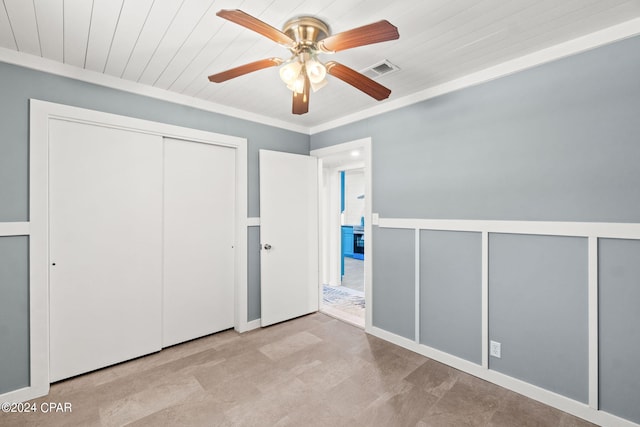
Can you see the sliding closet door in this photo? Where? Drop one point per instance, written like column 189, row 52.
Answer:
column 199, row 227
column 105, row 246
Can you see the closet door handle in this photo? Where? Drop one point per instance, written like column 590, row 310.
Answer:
column 267, row 246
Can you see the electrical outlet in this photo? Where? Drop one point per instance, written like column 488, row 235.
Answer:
column 494, row 349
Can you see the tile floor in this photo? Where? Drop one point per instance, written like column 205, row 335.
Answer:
column 353, row 274
column 311, row 371
column 344, row 304
column 353, row 280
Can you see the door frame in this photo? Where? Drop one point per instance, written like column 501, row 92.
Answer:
column 41, row 112
column 363, row 144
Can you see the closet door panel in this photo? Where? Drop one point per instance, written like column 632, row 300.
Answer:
column 199, row 224
column 105, row 246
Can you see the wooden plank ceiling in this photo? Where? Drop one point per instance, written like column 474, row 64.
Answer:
column 176, row 44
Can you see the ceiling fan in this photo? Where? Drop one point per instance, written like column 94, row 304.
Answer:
column 306, row 37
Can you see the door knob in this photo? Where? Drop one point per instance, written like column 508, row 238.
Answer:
column 267, row 246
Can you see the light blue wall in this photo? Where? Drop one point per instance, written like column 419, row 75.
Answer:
column 14, row 313
column 253, row 291
column 393, row 290
column 619, row 329
column 558, row 142
column 450, row 288
column 17, row 86
column 554, row 143
column 539, row 312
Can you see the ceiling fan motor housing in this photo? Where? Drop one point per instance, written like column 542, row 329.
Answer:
column 306, row 31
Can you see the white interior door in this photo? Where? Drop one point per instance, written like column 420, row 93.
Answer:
column 105, row 246
column 289, row 236
column 199, row 234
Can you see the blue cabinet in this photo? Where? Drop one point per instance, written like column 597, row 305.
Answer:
column 347, row 240
column 346, row 246
column 352, row 244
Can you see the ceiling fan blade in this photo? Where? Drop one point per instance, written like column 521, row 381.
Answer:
column 244, row 69
column 301, row 100
column 377, row 32
column 357, row 80
column 254, row 24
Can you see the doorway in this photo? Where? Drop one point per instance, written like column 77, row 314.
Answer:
column 345, row 224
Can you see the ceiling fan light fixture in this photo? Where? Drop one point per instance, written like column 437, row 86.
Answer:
column 316, row 70
column 290, row 72
column 317, row 86
column 297, row 85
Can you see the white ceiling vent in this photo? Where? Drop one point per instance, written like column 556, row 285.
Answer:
column 380, row 69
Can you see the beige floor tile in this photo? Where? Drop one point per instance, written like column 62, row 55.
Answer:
column 434, row 377
column 390, row 365
column 269, row 408
column 311, row 371
column 289, row 345
column 526, row 412
column 241, row 365
column 464, row 404
column 405, row 406
column 201, row 409
column 157, row 397
column 348, row 398
column 327, row 374
column 316, row 414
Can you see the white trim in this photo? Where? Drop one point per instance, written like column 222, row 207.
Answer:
column 40, row 114
column 368, row 230
column 38, row 254
column 14, row 229
column 417, row 286
column 571, row 47
column 534, row 392
column 242, row 257
column 485, row 300
column 99, row 118
column 250, row 326
column 324, row 277
column 584, row 229
column 341, row 147
column 314, row 245
column 53, row 67
column 365, row 145
column 593, row 321
column 243, row 296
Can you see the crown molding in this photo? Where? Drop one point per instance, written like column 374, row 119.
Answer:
column 581, row 44
column 53, row 67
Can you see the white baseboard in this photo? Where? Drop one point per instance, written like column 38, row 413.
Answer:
column 254, row 324
column 24, row 394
